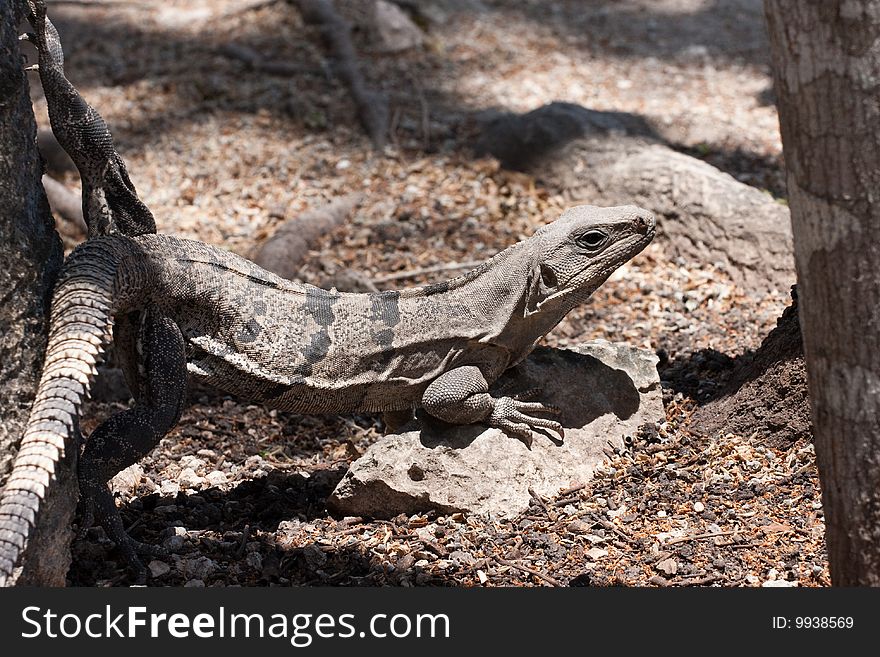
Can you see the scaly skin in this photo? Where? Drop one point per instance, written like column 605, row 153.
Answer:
column 294, row 347
column 110, row 201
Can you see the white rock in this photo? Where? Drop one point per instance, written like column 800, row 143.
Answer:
column 667, row 566
column 189, row 479
column 699, row 507
column 216, row 478
column 597, row 553
column 158, row 568
column 190, row 461
column 199, row 568
column 779, row 583
column 126, row 481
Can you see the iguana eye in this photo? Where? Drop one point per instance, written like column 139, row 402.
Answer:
column 591, row 239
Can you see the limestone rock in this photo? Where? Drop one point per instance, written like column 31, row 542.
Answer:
column 606, row 391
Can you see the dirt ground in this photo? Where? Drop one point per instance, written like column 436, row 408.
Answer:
column 223, row 153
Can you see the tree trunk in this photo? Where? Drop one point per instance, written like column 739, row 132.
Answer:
column 30, row 256
column 827, row 70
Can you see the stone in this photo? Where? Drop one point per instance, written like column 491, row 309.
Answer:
column 158, row 568
column 189, row 479
column 126, row 481
column 393, row 30
column 110, row 386
column 667, row 566
column 606, row 392
column 216, row 478
column 597, row 553
column 462, row 559
column 779, row 583
column 169, row 488
column 199, row 568
column 174, row 543
column 254, row 560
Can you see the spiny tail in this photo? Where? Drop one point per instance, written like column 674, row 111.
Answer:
column 81, row 320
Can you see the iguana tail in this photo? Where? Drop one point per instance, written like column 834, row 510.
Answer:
column 91, row 288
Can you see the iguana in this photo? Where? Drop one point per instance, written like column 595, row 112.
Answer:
column 292, row 346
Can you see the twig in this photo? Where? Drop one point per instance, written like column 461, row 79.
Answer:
column 614, row 528
column 695, row 537
column 64, row 202
column 566, row 500
column 413, row 273
column 254, row 60
column 372, row 106
column 572, row 490
column 531, row 571
column 539, row 500
column 686, row 581
column 245, row 534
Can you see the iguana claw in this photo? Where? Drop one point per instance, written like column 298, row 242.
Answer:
column 515, row 417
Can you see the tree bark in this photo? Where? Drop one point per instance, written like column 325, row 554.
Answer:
column 827, row 73
column 30, row 257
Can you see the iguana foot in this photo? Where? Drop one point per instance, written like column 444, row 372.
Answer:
column 108, row 516
column 133, row 550
column 515, row 417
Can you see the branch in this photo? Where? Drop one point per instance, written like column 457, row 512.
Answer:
column 372, row 106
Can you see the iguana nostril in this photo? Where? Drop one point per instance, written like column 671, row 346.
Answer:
column 644, row 223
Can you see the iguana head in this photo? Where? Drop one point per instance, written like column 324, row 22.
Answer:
column 576, row 253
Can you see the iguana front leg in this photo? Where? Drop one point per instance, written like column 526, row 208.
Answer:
column 461, row 396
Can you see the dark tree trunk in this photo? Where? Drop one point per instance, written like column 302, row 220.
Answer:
column 827, row 70
column 30, row 256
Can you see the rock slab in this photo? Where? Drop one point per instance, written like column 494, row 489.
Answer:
column 606, row 392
